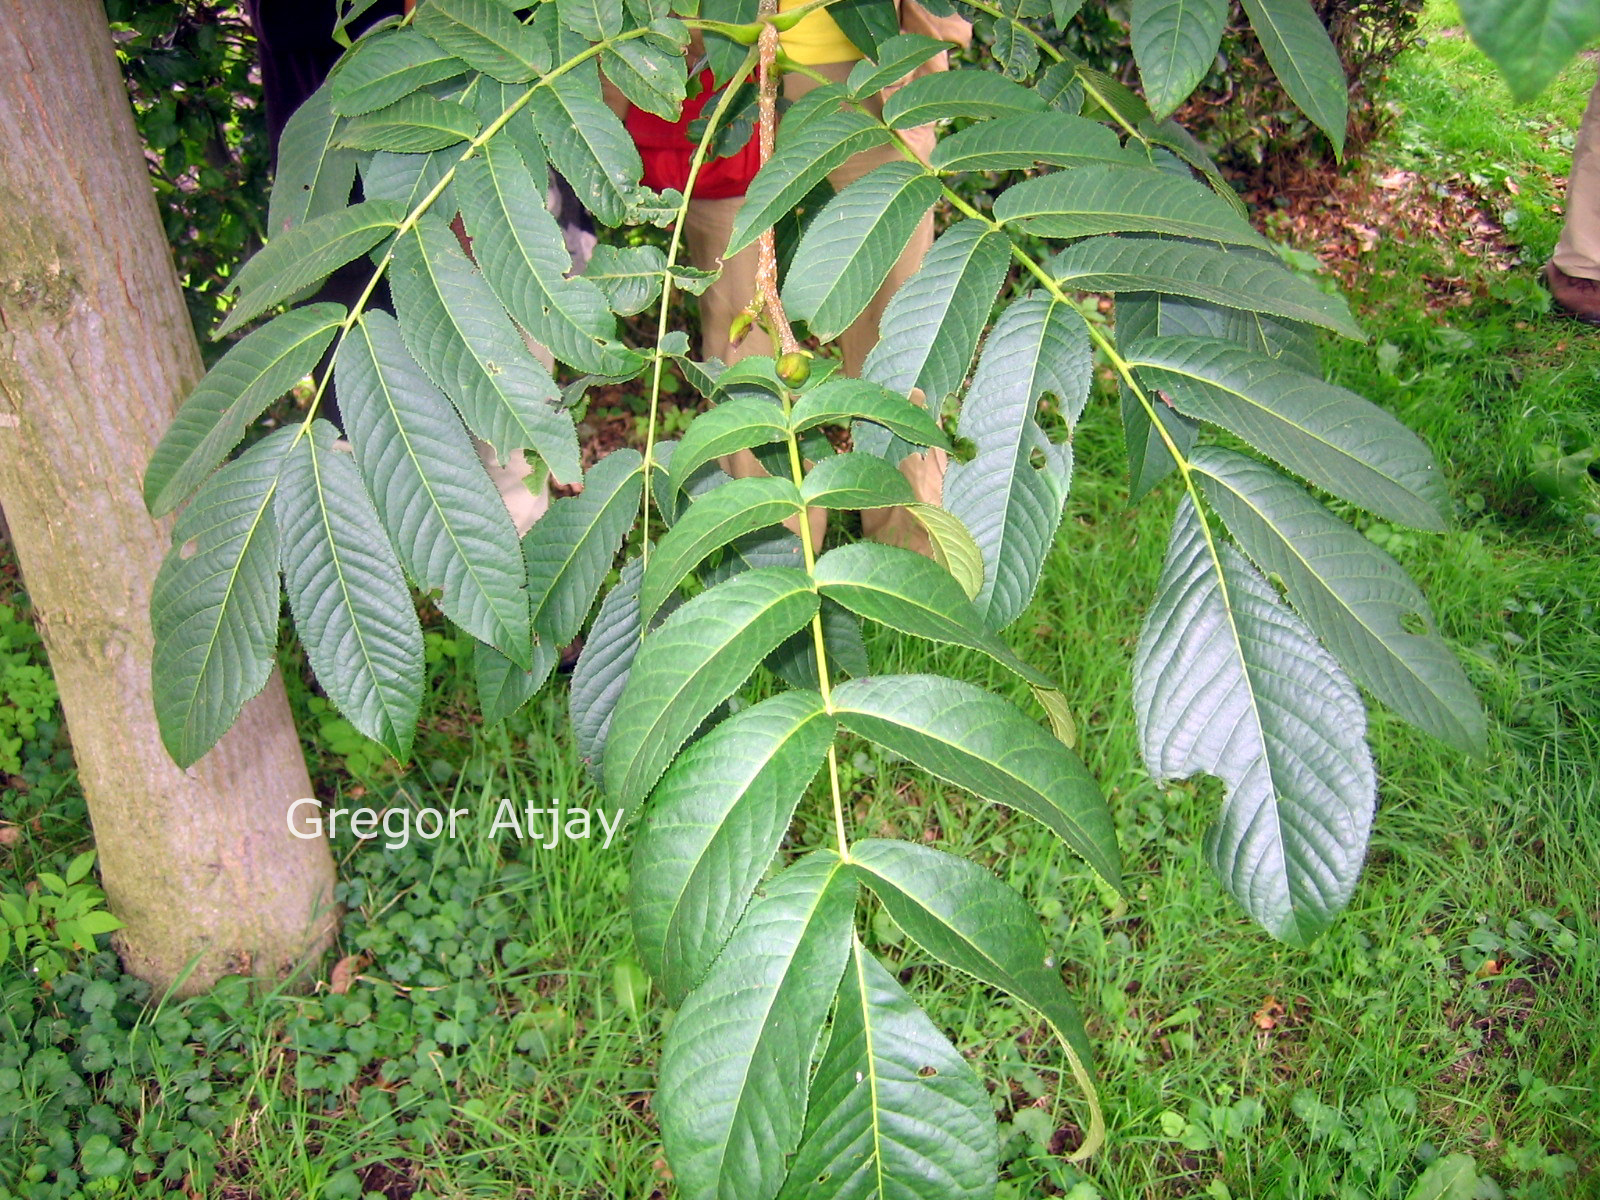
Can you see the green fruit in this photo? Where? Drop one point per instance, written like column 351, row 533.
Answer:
column 794, row 368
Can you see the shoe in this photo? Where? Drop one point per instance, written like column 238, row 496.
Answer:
column 1575, row 296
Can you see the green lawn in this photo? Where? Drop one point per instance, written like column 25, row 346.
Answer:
column 491, row 1033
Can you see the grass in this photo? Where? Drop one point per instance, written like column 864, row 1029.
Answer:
column 484, row 1039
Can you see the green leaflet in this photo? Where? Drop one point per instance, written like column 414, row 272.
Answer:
column 869, row 24
column 723, row 54
column 352, row 609
column 485, row 35
column 570, row 548
column 893, row 61
column 737, row 1060
column 1013, row 49
column 854, row 481
column 1228, row 682
column 251, row 375
column 313, row 175
column 1011, row 506
column 962, row 93
column 413, row 124
column 408, row 179
column 1105, row 94
column 699, row 657
column 736, row 508
column 895, row 1109
column 905, row 591
column 504, row 687
column 1125, row 264
column 1354, row 596
column 602, row 668
column 711, row 829
column 215, row 612
column 953, row 546
column 932, row 323
column 446, row 519
column 649, row 71
column 840, row 401
column 978, row 741
column 1117, row 198
column 1018, row 143
column 1531, row 40
column 851, row 245
column 1175, row 42
column 967, row 919
column 307, row 255
column 1305, row 62
column 795, row 660
column 805, row 154
column 459, row 334
column 380, row 70
column 1143, row 315
column 733, row 425
column 493, row 101
column 629, row 276
column 587, row 143
column 1331, row 436
column 525, row 261
column 595, row 20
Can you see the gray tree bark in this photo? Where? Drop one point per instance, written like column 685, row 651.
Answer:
column 96, row 352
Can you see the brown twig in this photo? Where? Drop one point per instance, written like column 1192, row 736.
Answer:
column 766, row 247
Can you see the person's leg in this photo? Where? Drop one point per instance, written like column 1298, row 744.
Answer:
column 1575, row 268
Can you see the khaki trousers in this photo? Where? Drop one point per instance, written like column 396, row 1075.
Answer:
column 1578, row 251
column 706, row 233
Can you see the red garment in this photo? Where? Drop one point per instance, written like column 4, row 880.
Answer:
column 666, row 148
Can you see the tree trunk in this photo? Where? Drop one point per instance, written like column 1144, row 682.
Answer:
column 96, row 352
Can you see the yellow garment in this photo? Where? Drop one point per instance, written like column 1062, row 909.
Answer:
column 816, row 39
